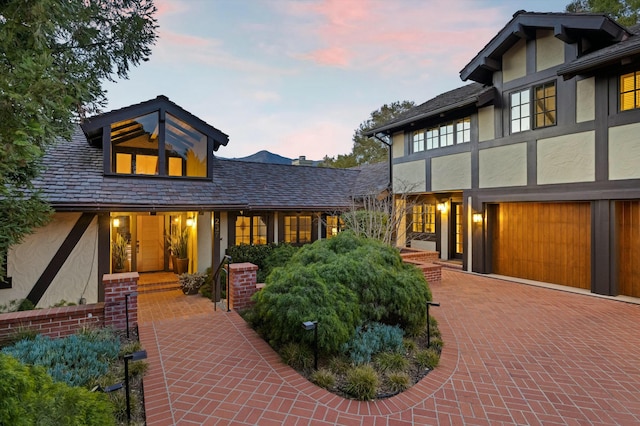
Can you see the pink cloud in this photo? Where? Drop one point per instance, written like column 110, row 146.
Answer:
column 332, row 56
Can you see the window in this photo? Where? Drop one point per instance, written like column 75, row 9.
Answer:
column 630, row 91
column 463, row 130
column 544, row 101
column 423, row 218
column 446, row 134
column 432, row 138
column 297, row 229
column 251, row 230
column 138, row 148
column 5, row 280
column 418, row 141
column 334, row 226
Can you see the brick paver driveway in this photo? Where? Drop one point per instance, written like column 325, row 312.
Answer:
column 514, row 354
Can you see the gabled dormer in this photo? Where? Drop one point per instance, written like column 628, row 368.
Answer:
column 154, row 138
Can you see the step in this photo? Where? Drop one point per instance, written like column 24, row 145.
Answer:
column 158, row 287
column 449, row 264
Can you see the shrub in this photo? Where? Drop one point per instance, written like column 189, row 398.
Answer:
column 410, row 345
column 391, row 361
column 428, row 358
column 323, row 378
column 75, row 360
column 29, row 396
column 296, row 356
column 371, row 340
column 436, row 343
column 362, row 382
column 265, row 256
column 339, row 364
column 398, row 382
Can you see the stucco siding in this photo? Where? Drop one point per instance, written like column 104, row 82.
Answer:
column 503, row 166
column 409, row 177
column 586, row 100
column 567, row 159
column 624, row 152
column 549, row 50
column 451, row 172
column 397, row 145
column 78, row 277
column 514, row 62
column 486, row 126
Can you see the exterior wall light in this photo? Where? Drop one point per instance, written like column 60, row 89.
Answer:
column 442, row 207
column 116, row 222
column 477, row 217
column 190, row 221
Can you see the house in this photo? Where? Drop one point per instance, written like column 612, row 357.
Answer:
column 533, row 169
column 147, row 172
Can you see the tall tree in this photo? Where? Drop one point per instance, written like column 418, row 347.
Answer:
column 367, row 150
column 54, row 55
column 625, row 12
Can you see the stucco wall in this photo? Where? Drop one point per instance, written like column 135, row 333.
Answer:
column 503, row 166
column 409, row 177
column 397, row 147
column 624, row 152
column 549, row 50
column 205, row 236
column 566, row 159
column 486, row 126
column 78, row 276
column 585, row 100
column 451, row 172
column 514, row 62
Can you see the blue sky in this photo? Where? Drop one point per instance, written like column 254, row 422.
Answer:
column 298, row 77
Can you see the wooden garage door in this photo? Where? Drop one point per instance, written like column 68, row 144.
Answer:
column 549, row 242
column 628, row 232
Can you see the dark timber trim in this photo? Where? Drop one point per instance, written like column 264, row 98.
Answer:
column 60, row 257
column 600, row 248
column 104, row 251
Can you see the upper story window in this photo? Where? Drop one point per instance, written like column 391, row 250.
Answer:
column 445, row 134
column 251, row 230
column 630, row 91
column 544, row 101
column 423, row 218
column 138, row 148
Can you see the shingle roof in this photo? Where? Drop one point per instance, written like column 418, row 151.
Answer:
column 73, row 179
column 372, row 179
column 462, row 96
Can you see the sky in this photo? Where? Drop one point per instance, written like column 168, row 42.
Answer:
column 298, row 77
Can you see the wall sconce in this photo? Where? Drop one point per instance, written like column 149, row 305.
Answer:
column 190, row 221
column 442, row 207
column 477, row 217
column 116, row 222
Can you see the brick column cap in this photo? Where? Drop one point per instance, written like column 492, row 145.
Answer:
column 242, row 267
column 120, row 278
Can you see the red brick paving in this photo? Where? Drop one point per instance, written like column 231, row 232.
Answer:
column 514, row 354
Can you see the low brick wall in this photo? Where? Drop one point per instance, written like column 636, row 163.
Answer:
column 52, row 322
column 424, row 256
column 67, row 320
column 424, row 259
column 242, row 284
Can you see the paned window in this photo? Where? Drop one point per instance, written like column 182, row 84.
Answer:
column 446, row 134
column 423, row 218
column 630, row 91
column 432, row 138
column 297, row 229
column 545, row 102
column 544, row 108
column 418, row 141
column 334, row 226
column 521, row 111
column 463, row 130
column 251, row 230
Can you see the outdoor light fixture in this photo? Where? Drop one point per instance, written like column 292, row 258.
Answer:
column 126, row 307
column 313, row 325
column 190, row 221
column 136, row 356
column 477, row 217
column 429, row 303
column 442, row 207
column 116, row 222
column 107, row 389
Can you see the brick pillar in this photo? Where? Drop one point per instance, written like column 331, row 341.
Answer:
column 115, row 288
column 242, row 284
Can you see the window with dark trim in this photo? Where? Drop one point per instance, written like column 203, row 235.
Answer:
column 630, row 91
column 5, row 280
column 446, row 134
column 297, row 229
column 522, row 117
column 423, row 218
column 251, row 230
column 335, row 224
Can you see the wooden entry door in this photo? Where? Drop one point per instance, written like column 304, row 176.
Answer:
column 150, row 243
column 456, row 234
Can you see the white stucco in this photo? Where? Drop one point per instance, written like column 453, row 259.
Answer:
column 624, row 152
column 397, row 145
column 503, row 166
column 409, row 177
column 514, row 62
column 567, row 158
column 205, row 236
column 549, row 50
column 451, row 172
column 486, row 126
column 585, row 100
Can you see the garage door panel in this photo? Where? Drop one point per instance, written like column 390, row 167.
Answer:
column 628, row 232
column 548, row 242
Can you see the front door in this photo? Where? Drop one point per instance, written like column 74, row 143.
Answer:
column 456, row 230
column 150, row 243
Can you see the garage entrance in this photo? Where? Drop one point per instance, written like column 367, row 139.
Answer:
column 628, row 247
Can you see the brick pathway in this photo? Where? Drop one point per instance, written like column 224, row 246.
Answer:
column 514, row 354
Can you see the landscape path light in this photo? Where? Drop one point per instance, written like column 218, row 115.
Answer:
column 313, row 325
column 429, row 303
column 136, row 356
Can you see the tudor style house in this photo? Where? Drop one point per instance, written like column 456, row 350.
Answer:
column 532, row 170
column 146, row 173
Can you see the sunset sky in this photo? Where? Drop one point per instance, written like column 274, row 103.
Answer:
column 298, row 77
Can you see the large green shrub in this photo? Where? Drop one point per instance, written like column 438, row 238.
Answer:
column 29, row 396
column 264, row 256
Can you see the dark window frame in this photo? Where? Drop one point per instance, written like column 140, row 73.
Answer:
column 537, row 107
column 433, row 137
column 6, row 282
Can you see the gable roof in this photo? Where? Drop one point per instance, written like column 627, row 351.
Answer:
column 469, row 95
column 73, row 180
column 598, row 29
column 92, row 126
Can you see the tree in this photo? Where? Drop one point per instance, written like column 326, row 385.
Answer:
column 369, row 150
column 53, row 57
column 625, row 12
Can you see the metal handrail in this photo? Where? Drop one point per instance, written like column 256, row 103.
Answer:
column 216, row 282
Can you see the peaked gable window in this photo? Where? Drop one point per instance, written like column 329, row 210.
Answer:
column 141, row 146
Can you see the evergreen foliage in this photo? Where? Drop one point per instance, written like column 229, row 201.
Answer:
column 625, row 12
column 264, row 256
column 372, row 340
column 362, row 382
